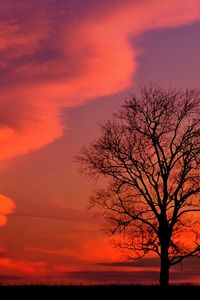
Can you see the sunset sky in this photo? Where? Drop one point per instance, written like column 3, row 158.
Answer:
column 65, row 67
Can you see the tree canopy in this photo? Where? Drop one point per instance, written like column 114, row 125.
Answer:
column 150, row 153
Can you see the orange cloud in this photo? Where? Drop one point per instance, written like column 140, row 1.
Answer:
column 92, row 251
column 92, row 59
column 6, row 207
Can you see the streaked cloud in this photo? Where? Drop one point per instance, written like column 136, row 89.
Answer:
column 10, row 267
column 128, row 277
column 61, row 56
column 63, row 213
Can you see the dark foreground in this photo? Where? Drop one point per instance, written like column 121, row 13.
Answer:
column 104, row 291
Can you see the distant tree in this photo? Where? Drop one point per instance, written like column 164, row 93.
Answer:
column 150, row 151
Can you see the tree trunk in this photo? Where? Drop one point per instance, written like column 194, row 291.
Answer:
column 164, row 267
column 164, row 237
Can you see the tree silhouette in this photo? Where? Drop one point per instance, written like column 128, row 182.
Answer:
column 150, row 151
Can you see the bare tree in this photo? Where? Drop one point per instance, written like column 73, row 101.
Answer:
column 150, row 151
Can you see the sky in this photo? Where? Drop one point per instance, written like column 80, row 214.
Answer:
column 65, row 67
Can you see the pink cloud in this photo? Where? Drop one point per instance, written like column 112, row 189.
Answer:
column 90, row 59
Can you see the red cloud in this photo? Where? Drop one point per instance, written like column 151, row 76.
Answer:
column 47, row 68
